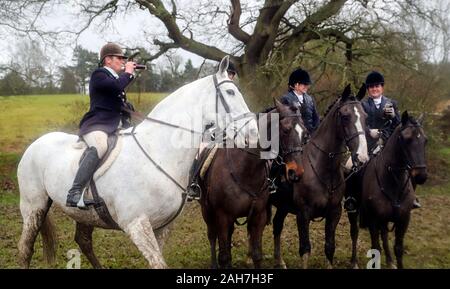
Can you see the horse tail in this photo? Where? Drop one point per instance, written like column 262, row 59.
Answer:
column 48, row 234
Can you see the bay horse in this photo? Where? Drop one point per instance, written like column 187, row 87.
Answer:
column 385, row 191
column 237, row 185
column 320, row 190
column 144, row 188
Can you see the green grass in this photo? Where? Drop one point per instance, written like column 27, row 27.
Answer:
column 24, row 118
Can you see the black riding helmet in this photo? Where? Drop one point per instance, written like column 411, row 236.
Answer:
column 231, row 68
column 299, row 76
column 374, row 78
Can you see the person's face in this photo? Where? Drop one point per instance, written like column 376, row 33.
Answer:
column 116, row 63
column 301, row 88
column 375, row 90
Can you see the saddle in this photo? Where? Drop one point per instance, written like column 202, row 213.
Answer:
column 91, row 193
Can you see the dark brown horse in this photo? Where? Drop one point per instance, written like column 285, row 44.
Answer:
column 236, row 185
column 319, row 193
column 385, row 191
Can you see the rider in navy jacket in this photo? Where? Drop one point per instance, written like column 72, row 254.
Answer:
column 382, row 112
column 105, row 115
column 107, row 98
column 299, row 82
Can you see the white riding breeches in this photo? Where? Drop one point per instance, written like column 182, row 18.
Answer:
column 97, row 139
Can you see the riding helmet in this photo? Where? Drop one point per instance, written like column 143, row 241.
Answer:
column 299, row 76
column 374, row 78
column 111, row 49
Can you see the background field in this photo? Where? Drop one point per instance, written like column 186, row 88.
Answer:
column 24, row 118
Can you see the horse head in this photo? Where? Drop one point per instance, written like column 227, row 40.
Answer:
column 230, row 107
column 351, row 123
column 292, row 134
column 412, row 142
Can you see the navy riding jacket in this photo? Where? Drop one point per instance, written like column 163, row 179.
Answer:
column 107, row 98
column 377, row 120
column 308, row 109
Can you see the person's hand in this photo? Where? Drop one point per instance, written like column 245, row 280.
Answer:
column 129, row 67
column 389, row 111
column 374, row 133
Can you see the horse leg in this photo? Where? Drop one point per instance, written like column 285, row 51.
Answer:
column 400, row 231
column 212, row 237
column 278, row 222
column 375, row 235
column 354, row 231
column 387, row 251
column 303, row 233
column 141, row 233
column 330, row 232
column 223, row 223
column 162, row 235
column 34, row 216
column 255, row 229
column 83, row 237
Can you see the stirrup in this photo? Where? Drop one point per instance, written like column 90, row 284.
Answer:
column 352, row 207
column 194, row 192
column 272, row 186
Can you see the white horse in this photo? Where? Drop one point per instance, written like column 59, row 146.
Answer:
column 138, row 195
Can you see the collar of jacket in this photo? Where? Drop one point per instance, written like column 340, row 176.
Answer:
column 111, row 71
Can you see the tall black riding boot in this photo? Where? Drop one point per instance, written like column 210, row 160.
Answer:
column 194, row 190
column 85, row 172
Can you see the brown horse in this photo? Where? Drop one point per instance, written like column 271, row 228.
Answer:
column 320, row 191
column 385, row 191
column 237, row 185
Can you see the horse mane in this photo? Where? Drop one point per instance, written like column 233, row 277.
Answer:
column 334, row 102
column 330, row 107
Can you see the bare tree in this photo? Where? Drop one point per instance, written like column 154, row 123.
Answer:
column 267, row 39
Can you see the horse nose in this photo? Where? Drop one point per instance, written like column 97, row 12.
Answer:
column 363, row 158
column 293, row 171
column 419, row 175
column 292, row 176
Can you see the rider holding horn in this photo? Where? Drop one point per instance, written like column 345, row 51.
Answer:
column 382, row 119
column 383, row 116
column 105, row 116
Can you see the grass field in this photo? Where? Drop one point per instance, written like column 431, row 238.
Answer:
column 24, row 118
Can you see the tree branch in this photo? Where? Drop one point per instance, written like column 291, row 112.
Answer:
column 233, row 23
column 266, row 30
column 156, row 8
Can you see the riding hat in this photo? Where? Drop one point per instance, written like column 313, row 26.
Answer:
column 231, row 68
column 299, row 76
column 374, row 78
column 111, row 49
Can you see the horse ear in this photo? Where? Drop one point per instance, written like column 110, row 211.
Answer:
column 346, row 93
column 405, row 118
column 361, row 92
column 278, row 104
column 420, row 118
column 223, row 66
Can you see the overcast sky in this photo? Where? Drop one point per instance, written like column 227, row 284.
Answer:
column 127, row 30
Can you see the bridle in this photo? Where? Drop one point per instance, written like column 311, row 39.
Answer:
column 392, row 169
column 347, row 139
column 219, row 97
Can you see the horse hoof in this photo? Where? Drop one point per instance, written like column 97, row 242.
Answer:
column 249, row 261
column 392, row 266
column 355, row 266
column 329, row 266
column 281, row 265
column 305, row 259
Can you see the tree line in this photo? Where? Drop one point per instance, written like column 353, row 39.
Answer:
column 32, row 72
